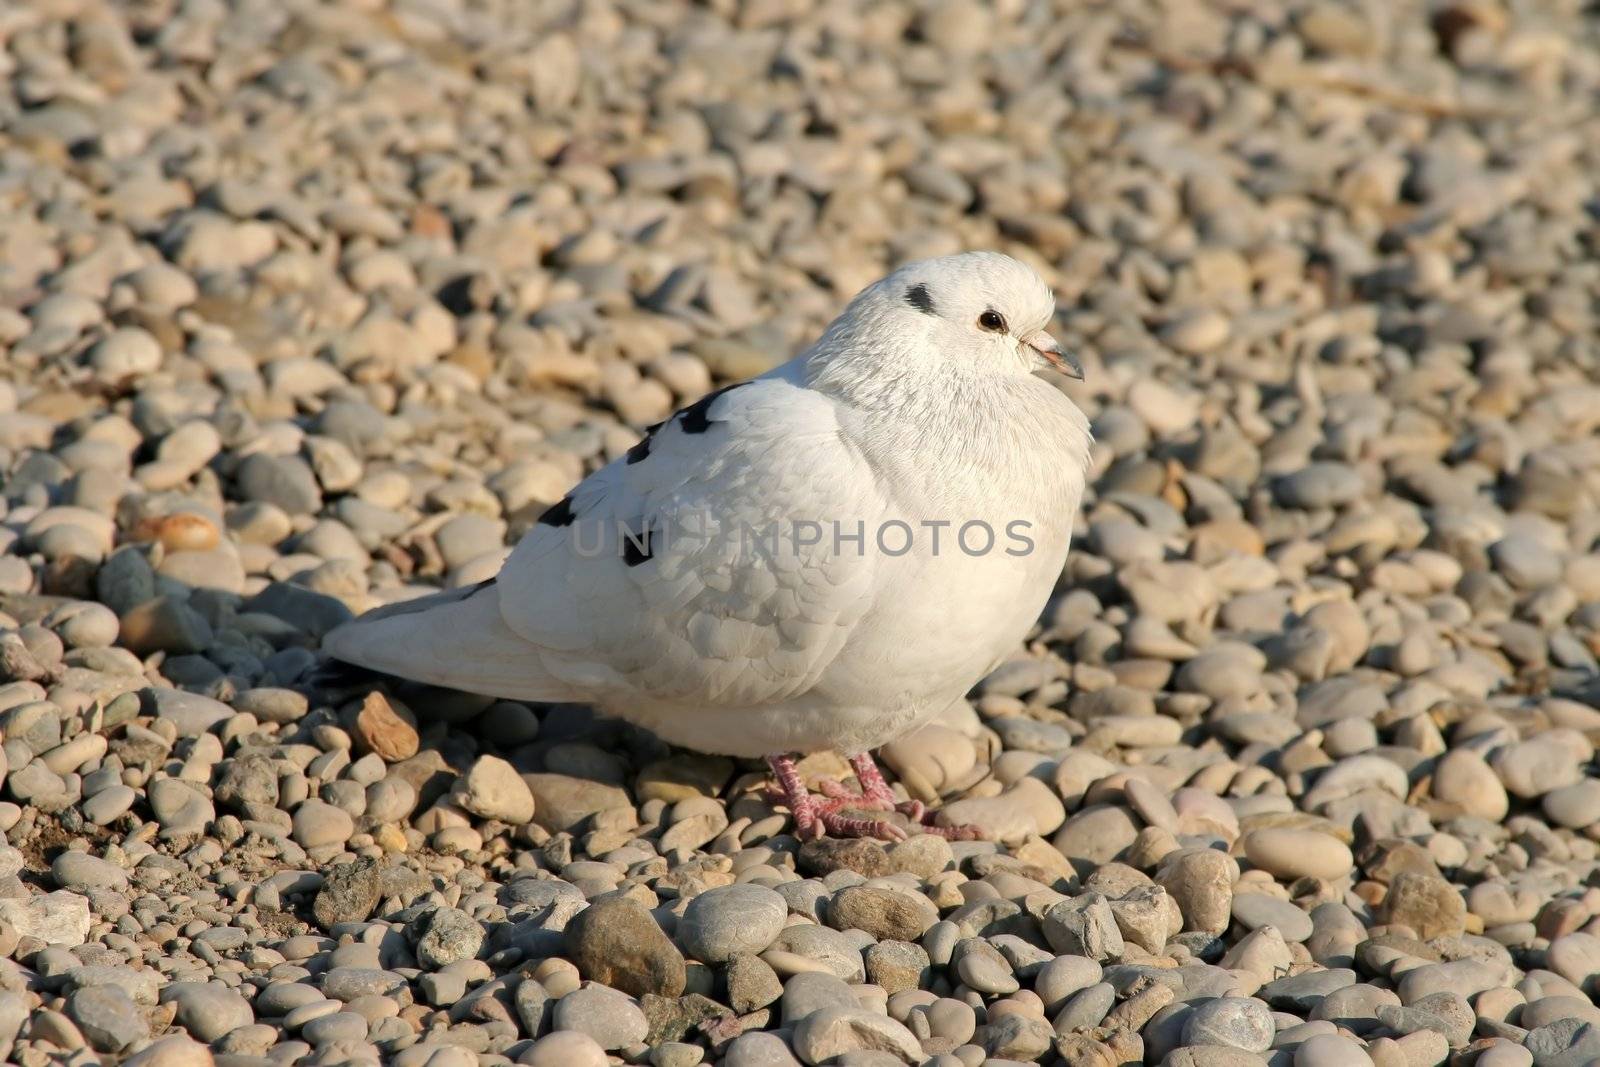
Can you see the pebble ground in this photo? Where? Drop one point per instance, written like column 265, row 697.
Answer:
column 307, row 306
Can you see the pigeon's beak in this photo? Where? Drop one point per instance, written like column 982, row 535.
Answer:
column 1049, row 350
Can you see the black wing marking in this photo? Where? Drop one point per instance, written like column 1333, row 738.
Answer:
column 696, row 417
column 558, row 514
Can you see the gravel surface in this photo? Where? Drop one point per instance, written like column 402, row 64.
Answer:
column 306, row 307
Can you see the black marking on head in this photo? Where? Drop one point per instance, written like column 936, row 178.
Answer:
column 558, row 514
column 919, row 297
column 640, row 451
column 636, row 549
column 696, row 417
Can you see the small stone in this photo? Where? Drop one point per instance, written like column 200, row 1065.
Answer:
column 208, row 1012
column 59, row 918
column 1196, row 332
column 683, row 776
column 82, row 872
column 883, row 913
column 247, row 782
column 349, row 893
column 125, row 353
column 1064, row 977
column 1525, row 562
column 562, row 802
column 832, row 1032
column 179, row 807
column 284, row 481
column 274, row 705
column 318, row 824
column 1461, row 777
column 896, row 965
column 1238, row 1022
column 1541, row 764
column 1321, row 485
column 446, row 936
column 731, row 919
column 752, row 984
column 1427, row 904
column 757, row 1048
column 1298, row 853
column 828, row 854
column 1575, row 806
column 607, row 1016
column 166, row 625
column 1255, row 910
column 1330, row 1050
column 1083, row 926
column 1467, row 977
column 616, row 942
column 381, row 727
column 175, row 1051
column 1146, row 915
column 1201, row 881
column 190, row 713
column 493, row 789
column 107, row 1017
column 1015, row 1037
column 566, row 1048
column 812, row 991
column 1575, row 957
column 109, row 804
column 982, row 968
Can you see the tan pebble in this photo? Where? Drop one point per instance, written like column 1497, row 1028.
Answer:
column 1298, row 853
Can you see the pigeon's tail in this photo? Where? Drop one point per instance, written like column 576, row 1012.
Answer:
column 456, row 639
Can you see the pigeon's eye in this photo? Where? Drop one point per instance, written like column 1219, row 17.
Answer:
column 992, row 320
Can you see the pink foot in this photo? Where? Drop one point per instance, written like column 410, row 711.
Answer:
column 815, row 816
column 876, row 790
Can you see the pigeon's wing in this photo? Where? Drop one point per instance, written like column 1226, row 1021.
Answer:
column 718, row 562
column 456, row 638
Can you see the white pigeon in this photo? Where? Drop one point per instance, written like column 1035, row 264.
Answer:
column 821, row 558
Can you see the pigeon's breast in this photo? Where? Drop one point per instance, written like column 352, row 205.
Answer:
column 988, row 508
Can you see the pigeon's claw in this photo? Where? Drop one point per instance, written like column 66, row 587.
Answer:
column 959, row 832
column 841, row 825
column 815, row 816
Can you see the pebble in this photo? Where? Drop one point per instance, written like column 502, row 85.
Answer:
column 207, row 1012
column 492, row 789
column 1255, row 910
column 107, row 1017
column 608, row 1017
column 615, row 941
column 731, row 919
column 1298, row 853
column 1330, row 1050
column 447, row 936
column 566, row 1048
column 835, row 1032
column 1236, row 1022
column 882, row 913
column 58, row 918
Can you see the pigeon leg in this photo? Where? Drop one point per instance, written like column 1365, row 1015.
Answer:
column 876, row 792
column 873, row 787
column 816, row 816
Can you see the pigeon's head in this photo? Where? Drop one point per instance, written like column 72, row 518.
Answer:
column 983, row 309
